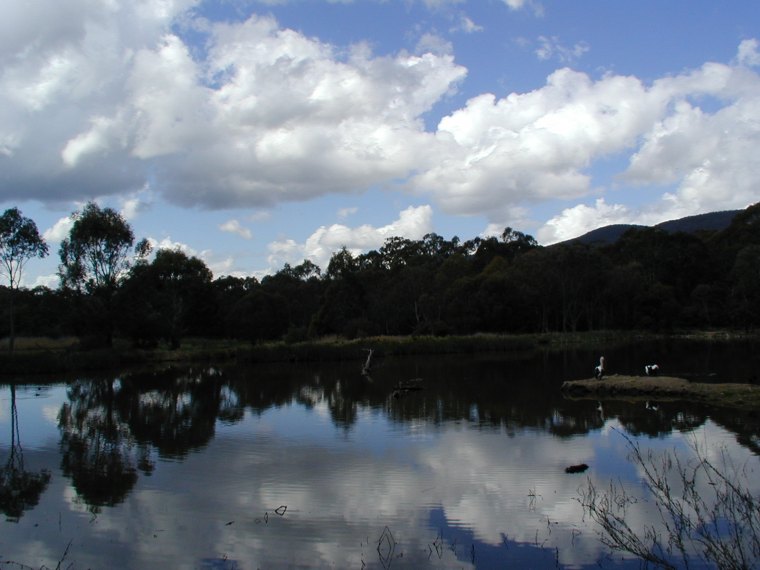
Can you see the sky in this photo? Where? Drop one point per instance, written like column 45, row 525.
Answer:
column 252, row 134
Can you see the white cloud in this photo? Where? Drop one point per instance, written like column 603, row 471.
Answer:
column 50, row 281
column 467, row 26
column 108, row 100
column 694, row 131
column 134, row 204
column 709, row 156
column 219, row 265
column 234, row 227
column 494, row 155
column 413, row 223
column 550, row 47
column 434, row 43
column 168, row 243
column 59, row 231
column 263, row 115
column 748, row 54
column 576, row 221
column 533, row 5
column 346, row 212
column 97, row 139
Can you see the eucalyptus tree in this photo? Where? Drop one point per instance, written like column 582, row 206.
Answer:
column 20, row 241
column 167, row 298
column 96, row 256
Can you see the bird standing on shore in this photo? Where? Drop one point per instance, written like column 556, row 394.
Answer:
column 652, row 369
column 600, row 369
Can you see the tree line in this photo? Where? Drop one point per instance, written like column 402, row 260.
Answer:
column 649, row 279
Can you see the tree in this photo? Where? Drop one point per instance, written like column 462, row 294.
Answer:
column 95, row 257
column 166, row 298
column 258, row 316
column 19, row 242
column 745, row 281
column 95, row 254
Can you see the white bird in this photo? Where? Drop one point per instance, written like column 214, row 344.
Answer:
column 600, row 369
column 652, row 369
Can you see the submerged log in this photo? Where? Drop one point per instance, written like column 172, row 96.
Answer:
column 580, row 468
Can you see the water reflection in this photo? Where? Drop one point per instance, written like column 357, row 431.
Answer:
column 318, row 465
column 20, row 489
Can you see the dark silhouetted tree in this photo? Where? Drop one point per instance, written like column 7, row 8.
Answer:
column 94, row 258
column 19, row 242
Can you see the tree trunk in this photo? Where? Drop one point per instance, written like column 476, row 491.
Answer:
column 12, row 339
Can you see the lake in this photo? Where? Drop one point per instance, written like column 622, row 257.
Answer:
column 430, row 462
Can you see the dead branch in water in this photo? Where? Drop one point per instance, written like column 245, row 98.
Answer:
column 367, row 364
column 706, row 513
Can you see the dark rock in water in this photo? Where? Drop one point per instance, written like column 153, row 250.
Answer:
column 580, row 468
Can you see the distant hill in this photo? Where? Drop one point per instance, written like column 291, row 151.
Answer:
column 713, row 221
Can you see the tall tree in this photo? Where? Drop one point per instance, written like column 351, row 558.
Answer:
column 19, row 242
column 95, row 256
column 96, row 253
column 166, row 298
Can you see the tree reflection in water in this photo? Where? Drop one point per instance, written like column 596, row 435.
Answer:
column 19, row 489
column 97, row 450
column 110, row 426
column 114, row 430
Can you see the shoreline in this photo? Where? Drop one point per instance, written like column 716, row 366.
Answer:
column 39, row 355
column 664, row 388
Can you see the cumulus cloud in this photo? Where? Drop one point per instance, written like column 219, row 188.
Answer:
column 234, row 227
column 748, row 53
column 692, row 133
column 496, row 154
column 575, row 221
column 100, row 102
column 134, row 204
column 168, row 243
column 219, row 265
column 59, row 231
column 413, row 222
column 107, row 101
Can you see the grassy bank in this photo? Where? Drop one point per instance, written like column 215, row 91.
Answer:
column 52, row 356
column 664, row 388
column 40, row 355
column 43, row 355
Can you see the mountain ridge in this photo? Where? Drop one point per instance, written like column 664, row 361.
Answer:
column 710, row 221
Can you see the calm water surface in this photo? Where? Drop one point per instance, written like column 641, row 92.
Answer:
column 445, row 462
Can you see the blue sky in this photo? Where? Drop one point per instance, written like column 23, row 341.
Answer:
column 257, row 133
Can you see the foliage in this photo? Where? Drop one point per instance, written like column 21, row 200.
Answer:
column 94, row 258
column 162, row 299
column 20, row 241
column 708, row 513
column 648, row 280
column 95, row 255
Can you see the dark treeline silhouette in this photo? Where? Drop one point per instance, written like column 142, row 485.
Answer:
column 649, row 279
